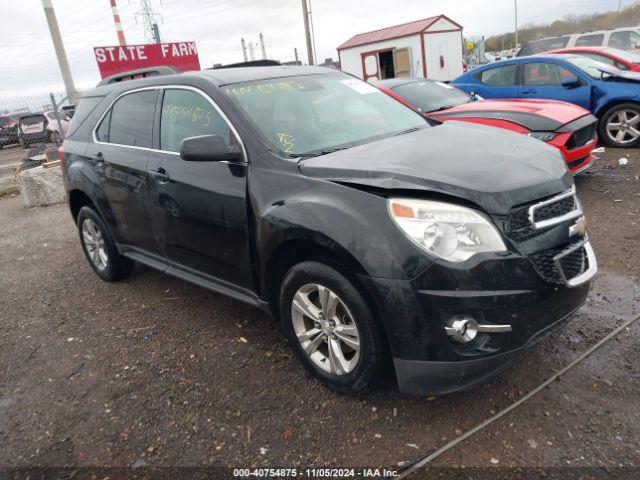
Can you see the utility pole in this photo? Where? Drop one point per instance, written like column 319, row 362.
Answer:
column 313, row 35
column 156, row 33
column 295, row 53
column 244, row 49
column 50, row 13
column 116, row 20
column 262, row 47
column 516, row 18
column 307, row 32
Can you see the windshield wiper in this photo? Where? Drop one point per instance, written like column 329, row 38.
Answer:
column 318, row 153
column 408, row 130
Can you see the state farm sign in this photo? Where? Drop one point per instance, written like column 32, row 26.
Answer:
column 112, row 60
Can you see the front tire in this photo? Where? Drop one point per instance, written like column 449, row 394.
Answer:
column 99, row 247
column 619, row 127
column 331, row 328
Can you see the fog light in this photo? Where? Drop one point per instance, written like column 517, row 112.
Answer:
column 462, row 330
column 465, row 329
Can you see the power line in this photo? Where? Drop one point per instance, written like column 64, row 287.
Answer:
column 179, row 18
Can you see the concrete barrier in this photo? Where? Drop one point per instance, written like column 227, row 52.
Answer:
column 41, row 186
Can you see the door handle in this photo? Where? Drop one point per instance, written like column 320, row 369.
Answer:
column 159, row 174
column 526, row 92
column 99, row 161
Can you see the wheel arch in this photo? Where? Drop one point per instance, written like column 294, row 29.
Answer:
column 605, row 107
column 79, row 199
column 296, row 250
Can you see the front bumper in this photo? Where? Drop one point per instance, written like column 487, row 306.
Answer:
column 505, row 289
column 439, row 378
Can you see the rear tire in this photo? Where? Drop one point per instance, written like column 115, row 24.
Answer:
column 99, row 247
column 619, row 127
column 341, row 344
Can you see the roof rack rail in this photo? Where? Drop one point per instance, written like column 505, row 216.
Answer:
column 139, row 73
column 250, row 63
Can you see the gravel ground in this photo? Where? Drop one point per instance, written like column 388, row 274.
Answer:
column 154, row 371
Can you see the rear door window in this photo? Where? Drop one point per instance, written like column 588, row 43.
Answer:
column 590, row 40
column 500, row 76
column 185, row 114
column 130, row 120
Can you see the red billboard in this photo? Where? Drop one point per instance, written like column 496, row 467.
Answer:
column 117, row 59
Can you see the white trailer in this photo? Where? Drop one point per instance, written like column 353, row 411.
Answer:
column 429, row 48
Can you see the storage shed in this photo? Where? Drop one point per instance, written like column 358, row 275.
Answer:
column 430, row 48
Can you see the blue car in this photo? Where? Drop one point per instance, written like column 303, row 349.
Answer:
column 612, row 95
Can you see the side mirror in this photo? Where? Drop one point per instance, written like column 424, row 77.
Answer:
column 208, row 148
column 571, row 82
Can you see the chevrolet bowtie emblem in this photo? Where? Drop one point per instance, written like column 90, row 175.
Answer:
column 578, row 228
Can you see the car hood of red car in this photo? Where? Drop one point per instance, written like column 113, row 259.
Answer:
column 535, row 115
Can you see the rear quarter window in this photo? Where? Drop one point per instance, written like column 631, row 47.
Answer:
column 85, row 108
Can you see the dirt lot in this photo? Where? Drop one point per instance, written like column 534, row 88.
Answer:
column 154, row 371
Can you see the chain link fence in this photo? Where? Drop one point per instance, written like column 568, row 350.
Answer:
column 32, row 127
column 34, row 120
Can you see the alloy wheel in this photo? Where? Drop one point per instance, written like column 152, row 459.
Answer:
column 325, row 329
column 623, row 126
column 95, row 244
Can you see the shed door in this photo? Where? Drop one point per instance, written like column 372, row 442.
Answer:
column 444, row 55
column 402, row 62
column 370, row 67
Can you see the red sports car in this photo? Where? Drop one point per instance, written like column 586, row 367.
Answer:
column 621, row 59
column 568, row 127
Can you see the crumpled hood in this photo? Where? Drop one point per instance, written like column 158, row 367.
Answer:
column 626, row 74
column 492, row 168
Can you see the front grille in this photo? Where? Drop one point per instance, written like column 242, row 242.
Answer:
column 569, row 265
column 519, row 225
column 582, row 136
column 575, row 163
column 555, row 209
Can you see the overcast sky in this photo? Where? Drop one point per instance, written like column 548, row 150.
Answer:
column 29, row 64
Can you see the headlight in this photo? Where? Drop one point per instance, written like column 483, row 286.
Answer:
column 449, row 231
column 544, row 136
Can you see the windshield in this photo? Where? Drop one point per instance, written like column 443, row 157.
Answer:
column 624, row 55
column 429, row 96
column 591, row 67
column 315, row 114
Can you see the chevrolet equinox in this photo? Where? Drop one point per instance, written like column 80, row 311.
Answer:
column 378, row 239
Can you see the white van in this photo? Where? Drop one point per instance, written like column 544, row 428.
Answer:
column 620, row 38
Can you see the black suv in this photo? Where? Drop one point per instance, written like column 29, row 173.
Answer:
column 375, row 237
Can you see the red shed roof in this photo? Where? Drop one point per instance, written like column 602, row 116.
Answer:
column 396, row 31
